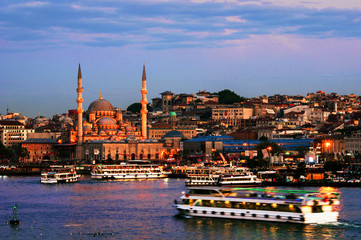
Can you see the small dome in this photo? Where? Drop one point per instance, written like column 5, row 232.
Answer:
column 87, row 128
column 100, row 105
column 131, row 138
column 67, row 120
column 173, row 134
column 102, row 133
column 20, row 117
column 38, row 120
column 172, row 114
column 106, row 121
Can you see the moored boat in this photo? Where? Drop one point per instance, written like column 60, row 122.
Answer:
column 59, row 175
column 129, row 171
column 295, row 206
column 239, row 177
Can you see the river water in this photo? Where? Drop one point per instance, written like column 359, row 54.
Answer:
column 92, row 209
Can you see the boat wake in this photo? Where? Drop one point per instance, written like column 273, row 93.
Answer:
column 73, row 225
column 342, row 224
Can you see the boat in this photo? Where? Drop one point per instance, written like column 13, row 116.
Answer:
column 129, row 171
column 58, row 174
column 274, row 205
column 237, row 177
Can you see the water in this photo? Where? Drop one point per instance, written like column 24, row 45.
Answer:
column 92, row 209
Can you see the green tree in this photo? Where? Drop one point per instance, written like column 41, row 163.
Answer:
column 135, row 108
column 227, row 96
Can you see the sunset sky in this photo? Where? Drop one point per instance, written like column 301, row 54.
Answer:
column 252, row 47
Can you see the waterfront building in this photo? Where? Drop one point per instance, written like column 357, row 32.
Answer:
column 331, row 147
column 13, row 132
column 208, row 144
column 130, row 148
column 40, row 149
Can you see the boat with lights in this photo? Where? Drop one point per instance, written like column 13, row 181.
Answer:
column 275, row 205
column 237, row 177
column 129, row 171
column 59, row 175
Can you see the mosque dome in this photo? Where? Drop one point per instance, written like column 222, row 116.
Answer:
column 100, row 105
column 87, row 128
column 173, row 134
column 38, row 120
column 107, row 121
column 131, row 138
column 20, row 117
column 67, row 120
column 172, row 114
column 102, row 133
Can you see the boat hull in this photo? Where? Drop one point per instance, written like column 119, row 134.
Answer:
column 54, row 181
column 129, row 176
column 256, row 215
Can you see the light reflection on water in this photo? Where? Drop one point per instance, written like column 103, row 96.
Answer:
column 141, row 210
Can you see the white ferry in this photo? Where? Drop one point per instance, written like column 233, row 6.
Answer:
column 295, row 206
column 59, row 175
column 246, row 179
column 129, row 171
column 223, row 178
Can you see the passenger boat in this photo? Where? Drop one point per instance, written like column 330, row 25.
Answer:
column 59, row 175
column 242, row 178
column 295, row 206
column 129, row 171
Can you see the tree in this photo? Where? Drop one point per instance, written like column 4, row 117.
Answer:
column 21, row 152
column 302, row 150
column 333, row 166
column 227, row 96
column 135, row 108
column 254, row 163
column 274, row 148
column 301, row 170
column 263, row 138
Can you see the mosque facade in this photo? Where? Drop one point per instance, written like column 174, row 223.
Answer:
column 101, row 134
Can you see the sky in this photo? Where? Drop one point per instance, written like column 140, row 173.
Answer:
column 252, row 47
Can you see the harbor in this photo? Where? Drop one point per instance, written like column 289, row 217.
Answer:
column 142, row 209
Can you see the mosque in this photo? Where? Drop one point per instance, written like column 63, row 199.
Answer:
column 102, row 135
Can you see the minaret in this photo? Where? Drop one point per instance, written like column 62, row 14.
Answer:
column 79, row 100
column 144, row 103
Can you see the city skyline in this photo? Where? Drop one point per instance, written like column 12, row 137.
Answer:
column 254, row 47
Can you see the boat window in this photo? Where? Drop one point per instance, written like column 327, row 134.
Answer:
column 317, row 209
column 220, row 204
column 198, row 202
